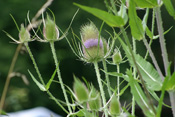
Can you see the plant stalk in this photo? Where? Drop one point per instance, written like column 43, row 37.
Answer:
column 138, row 71
column 101, row 88
column 59, row 76
column 162, row 39
column 40, row 77
column 34, row 63
column 8, row 76
column 107, row 77
column 172, row 100
column 118, row 82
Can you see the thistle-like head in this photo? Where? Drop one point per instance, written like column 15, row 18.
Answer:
column 92, row 43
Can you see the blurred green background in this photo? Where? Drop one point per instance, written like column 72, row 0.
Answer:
column 69, row 63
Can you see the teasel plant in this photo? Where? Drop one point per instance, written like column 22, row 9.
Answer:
column 24, row 31
column 50, row 34
column 141, row 71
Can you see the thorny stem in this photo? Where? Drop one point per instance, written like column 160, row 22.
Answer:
column 164, row 53
column 8, row 76
column 59, row 76
column 107, row 77
column 162, row 39
column 101, row 87
column 40, row 77
column 172, row 100
column 134, row 71
column 34, row 63
column 153, row 58
column 152, row 30
column 17, row 53
column 138, row 71
column 118, row 82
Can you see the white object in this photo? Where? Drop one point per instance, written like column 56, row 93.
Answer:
column 34, row 112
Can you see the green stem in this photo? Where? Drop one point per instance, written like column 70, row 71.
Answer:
column 152, row 30
column 40, row 77
column 133, row 106
column 118, row 81
column 34, row 63
column 59, row 75
column 101, row 88
column 138, row 71
column 8, row 76
column 134, row 70
column 107, row 77
column 172, row 100
column 162, row 39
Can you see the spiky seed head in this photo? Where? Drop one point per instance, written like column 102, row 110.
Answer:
column 117, row 58
column 24, row 35
column 93, row 47
column 95, row 99
column 114, row 107
column 80, row 91
column 50, row 30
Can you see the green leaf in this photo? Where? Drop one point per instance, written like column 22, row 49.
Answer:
column 146, row 3
column 159, row 109
column 3, row 113
column 116, row 74
column 41, row 87
column 123, row 12
column 169, row 7
column 110, row 19
column 171, row 83
column 135, row 22
column 80, row 113
column 139, row 96
column 51, row 79
column 150, row 75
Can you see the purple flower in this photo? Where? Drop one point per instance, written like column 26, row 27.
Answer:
column 93, row 42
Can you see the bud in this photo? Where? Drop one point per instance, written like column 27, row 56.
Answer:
column 93, row 47
column 95, row 100
column 50, row 30
column 117, row 58
column 80, row 91
column 24, row 35
column 114, row 107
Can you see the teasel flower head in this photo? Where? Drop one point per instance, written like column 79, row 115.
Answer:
column 94, row 102
column 80, row 90
column 117, row 58
column 94, row 47
column 50, row 30
column 114, row 107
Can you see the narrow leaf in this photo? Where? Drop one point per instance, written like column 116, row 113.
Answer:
column 139, row 96
column 159, row 109
column 135, row 23
column 169, row 7
column 110, row 19
column 146, row 3
column 41, row 87
column 150, row 75
column 171, row 83
column 51, row 79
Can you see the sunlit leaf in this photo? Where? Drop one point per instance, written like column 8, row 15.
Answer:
column 171, row 83
column 41, row 87
column 169, row 7
column 139, row 96
column 159, row 109
column 148, row 72
column 135, row 23
column 110, row 19
column 146, row 3
column 51, row 79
